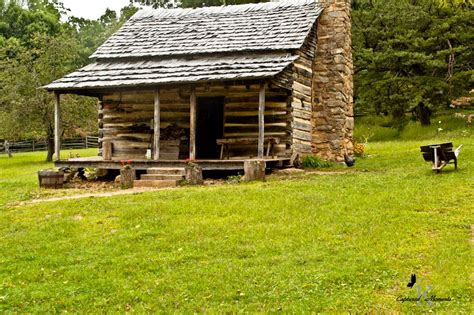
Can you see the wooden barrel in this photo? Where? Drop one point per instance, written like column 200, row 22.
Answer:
column 51, row 179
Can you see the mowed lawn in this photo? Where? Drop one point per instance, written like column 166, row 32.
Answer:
column 305, row 243
column 19, row 180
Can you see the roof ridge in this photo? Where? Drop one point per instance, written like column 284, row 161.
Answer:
column 161, row 12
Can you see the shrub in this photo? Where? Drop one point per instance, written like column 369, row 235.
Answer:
column 90, row 173
column 359, row 149
column 234, row 179
column 313, row 161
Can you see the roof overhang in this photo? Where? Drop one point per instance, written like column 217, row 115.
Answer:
column 146, row 73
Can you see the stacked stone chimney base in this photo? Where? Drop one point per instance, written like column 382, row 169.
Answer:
column 333, row 117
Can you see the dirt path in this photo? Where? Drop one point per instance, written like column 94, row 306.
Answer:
column 282, row 173
column 132, row 191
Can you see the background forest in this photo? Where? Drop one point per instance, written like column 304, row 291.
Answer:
column 412, row 57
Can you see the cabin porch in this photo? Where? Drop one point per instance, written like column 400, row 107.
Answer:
column 217, row 125
column 142, row 164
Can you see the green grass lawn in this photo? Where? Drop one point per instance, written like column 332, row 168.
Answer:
column 309, row 243
column 19, row 180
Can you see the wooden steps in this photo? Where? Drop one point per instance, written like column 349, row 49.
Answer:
column 166, row 171
column 155, row 183
column 160, row 178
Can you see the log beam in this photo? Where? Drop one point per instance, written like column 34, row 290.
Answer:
column 192, row 137
column 156, row 126
column 57, row 126
column 261, row 121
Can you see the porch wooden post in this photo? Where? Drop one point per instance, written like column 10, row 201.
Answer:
column 261, row 121
column 192, row 136
column 156, row 127
column 57, row 126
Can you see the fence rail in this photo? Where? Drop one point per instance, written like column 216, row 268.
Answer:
column 42, row 145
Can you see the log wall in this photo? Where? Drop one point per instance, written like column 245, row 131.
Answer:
column 126, row 117
column 302, row 97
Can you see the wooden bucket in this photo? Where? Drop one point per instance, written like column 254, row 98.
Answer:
column 51, row 179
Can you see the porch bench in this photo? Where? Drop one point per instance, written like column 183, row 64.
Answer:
column 224, row 144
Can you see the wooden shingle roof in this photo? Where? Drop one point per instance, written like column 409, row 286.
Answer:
column 251, row 27
column 163, row 46
column 168, row 71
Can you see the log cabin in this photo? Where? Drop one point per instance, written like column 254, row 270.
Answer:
column 219, row 85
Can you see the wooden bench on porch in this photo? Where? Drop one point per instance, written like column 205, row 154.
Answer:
column 224, row 143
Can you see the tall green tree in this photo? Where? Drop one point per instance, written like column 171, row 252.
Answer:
column 36, row 48
column 26, row 109
column 92, row 33
column 411, row 55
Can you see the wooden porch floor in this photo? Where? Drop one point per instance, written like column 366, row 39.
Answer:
column 207, row 165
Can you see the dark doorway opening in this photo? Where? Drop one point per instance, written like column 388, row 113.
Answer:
column 209, row 127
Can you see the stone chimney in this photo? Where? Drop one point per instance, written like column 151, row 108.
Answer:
column 333, row 116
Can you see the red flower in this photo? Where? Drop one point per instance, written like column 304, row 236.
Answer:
column 129, row 162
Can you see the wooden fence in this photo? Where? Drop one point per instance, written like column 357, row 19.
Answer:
column 42, row 145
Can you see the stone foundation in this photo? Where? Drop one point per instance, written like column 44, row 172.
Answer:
column 333, row 116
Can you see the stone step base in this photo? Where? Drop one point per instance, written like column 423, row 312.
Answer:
column 161, row 176
column 155, row 183
column 166, row 171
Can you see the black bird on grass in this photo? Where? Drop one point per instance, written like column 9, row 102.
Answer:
column 412, row 281
column 350, row 161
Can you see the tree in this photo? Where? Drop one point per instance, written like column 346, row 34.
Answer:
column 27, row 110
column 92, row 33
column 411, row 55
column 36, row 48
